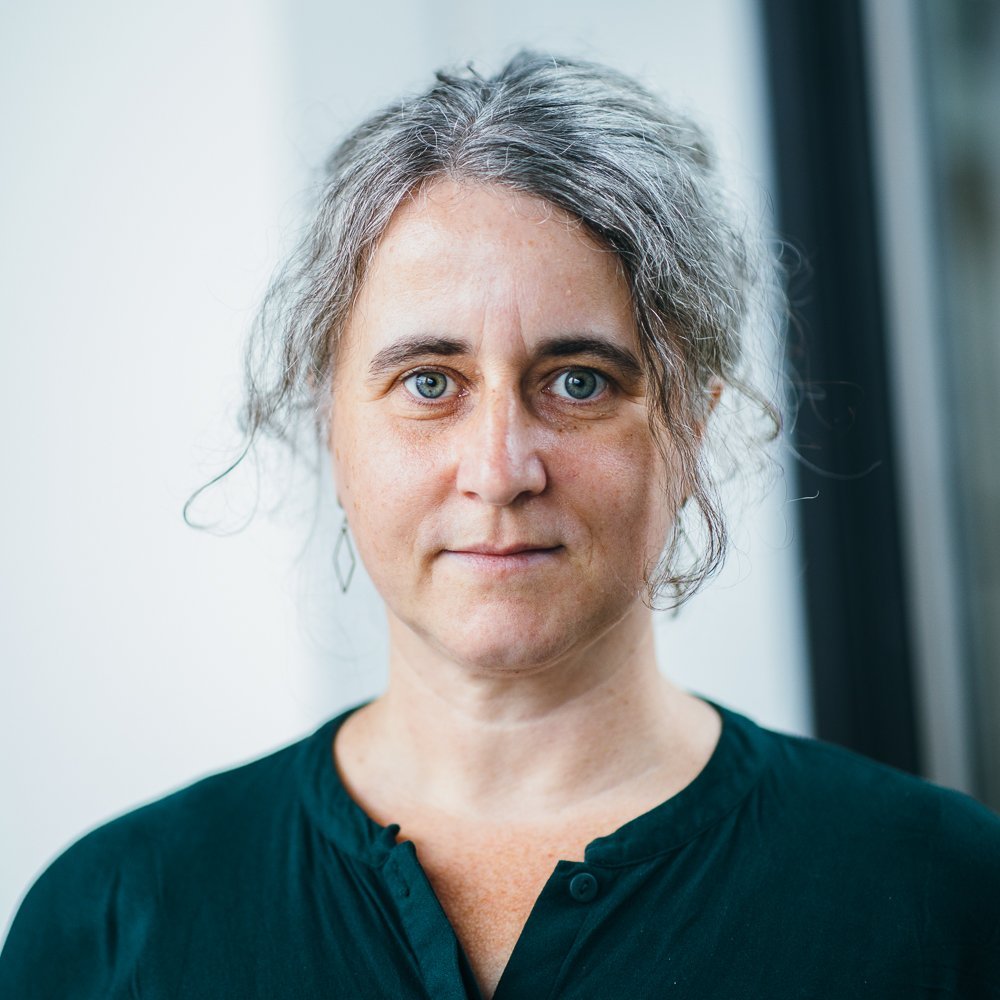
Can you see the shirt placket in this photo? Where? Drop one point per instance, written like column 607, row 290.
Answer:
column 431, row 935
column 573, row 896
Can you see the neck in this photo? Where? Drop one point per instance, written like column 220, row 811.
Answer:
column 572, row 734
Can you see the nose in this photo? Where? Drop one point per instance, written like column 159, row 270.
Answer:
column 499, row 459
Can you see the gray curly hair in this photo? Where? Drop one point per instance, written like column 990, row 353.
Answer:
column 599, row 146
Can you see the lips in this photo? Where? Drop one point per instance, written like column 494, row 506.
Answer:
column 504, row 560
column 517, row 548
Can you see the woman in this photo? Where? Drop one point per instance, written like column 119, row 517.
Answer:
column 517, row 309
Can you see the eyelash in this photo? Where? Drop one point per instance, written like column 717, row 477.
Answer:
column 607, row 384
column 423, row 400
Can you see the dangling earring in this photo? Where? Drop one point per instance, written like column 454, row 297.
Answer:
column 343, row 558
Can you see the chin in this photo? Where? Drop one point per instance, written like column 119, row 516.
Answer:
column 518, row 642
column 506, row 659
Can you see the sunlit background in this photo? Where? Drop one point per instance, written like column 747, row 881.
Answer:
column 158, row 160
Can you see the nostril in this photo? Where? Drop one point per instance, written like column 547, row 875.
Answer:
column 499, row 454
column 500, row 475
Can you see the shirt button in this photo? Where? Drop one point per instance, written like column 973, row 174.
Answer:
column 583, row 887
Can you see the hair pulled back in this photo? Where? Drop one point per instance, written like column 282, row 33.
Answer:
column 593, row 142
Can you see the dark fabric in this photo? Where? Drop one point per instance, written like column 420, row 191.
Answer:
column 787, row 869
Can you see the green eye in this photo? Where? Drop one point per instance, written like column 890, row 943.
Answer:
column 428, row 385
column 579, row 384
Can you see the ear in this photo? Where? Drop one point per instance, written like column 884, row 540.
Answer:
column 714, row 392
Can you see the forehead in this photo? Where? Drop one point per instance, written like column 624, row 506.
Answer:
column 474, row 257
column 464, row 210
column 488, row 215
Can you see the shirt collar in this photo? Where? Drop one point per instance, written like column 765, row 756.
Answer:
column 727, row 778
column 721, row 785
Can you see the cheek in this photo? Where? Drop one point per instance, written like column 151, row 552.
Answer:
column 627, row 468
column 632, row 495
column 387, row 485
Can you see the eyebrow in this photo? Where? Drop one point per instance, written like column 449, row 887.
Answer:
column 619, row 357
column 412, row 349
column 404, row 351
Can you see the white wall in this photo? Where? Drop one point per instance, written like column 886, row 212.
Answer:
column 155, row 159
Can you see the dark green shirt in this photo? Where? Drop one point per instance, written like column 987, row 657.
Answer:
column 787, row 869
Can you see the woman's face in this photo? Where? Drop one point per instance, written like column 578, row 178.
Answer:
column 489, row 431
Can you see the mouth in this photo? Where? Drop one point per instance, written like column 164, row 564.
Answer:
column 503, row 559
column 503, row 551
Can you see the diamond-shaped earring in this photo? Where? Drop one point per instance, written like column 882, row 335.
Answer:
column 343, row 558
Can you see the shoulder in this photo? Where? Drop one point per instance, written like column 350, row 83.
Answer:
column 872, row 854
column 844, row 788
column 906, row 837
column 203, row 815
column 92, row 909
